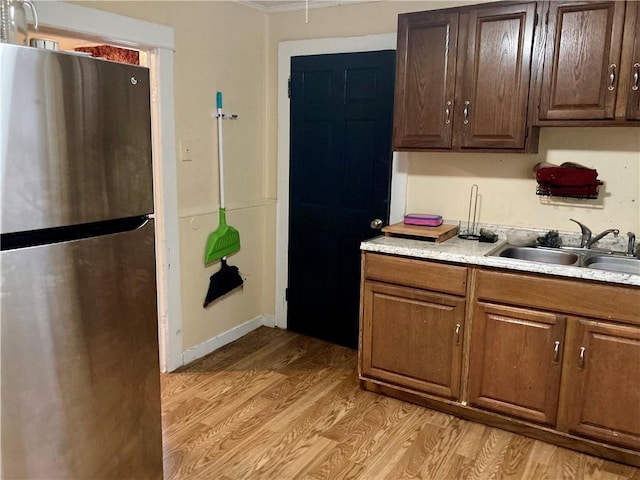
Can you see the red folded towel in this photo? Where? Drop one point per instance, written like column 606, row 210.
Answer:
column 568, row 181
column 569, row 177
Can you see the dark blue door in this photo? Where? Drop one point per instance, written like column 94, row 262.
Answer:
column 340, row 169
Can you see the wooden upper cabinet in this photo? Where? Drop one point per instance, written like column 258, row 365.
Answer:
column 425, row 80
column 601, row 392
column 515, row 361
column 629, row 104
column 582, row 60
column 462, row 78
column 494, row 69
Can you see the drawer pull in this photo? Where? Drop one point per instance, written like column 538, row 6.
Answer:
column 581, row 358
column 465, row 112
column 447, row 112
column 612, row 76
column 636, row 76
column 556, row 352
column 458, row 326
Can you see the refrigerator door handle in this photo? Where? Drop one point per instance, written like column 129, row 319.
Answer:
column 12, row 241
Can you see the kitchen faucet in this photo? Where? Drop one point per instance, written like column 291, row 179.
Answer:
column 586, row 240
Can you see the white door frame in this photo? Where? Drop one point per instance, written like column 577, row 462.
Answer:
column 158, row 41
column 286, row 50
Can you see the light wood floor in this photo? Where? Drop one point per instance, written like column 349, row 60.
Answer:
column 277, row 405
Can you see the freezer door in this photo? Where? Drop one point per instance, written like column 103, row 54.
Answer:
column 75, row 139
column 79, row 360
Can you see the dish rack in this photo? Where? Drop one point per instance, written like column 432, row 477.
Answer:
column 546, row 191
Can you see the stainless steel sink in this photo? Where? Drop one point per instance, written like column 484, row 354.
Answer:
column 577, row 257
column 533, row 254
column 613, row 264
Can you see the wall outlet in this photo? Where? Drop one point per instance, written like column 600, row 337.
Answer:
column 186, row 150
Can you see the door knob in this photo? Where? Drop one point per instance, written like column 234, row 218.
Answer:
column 376, row 224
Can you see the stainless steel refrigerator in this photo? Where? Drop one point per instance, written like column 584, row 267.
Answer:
column 80, row 391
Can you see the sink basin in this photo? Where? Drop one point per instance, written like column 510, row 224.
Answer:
column 539, row 255
column 613, row 264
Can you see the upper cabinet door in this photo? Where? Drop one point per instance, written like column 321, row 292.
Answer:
column 630, row 64
column 425, row 80
column 494, row 73
column 582, row 62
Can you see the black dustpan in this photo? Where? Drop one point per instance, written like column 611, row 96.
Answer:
column 222, row 282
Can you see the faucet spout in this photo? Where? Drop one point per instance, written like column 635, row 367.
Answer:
column 586, row 234
column 601, row 235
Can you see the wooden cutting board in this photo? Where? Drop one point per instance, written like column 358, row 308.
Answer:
column 437, row 234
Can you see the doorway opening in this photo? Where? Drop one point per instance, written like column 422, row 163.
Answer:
column 78, row 26
column 339, row 182
column 286, row 51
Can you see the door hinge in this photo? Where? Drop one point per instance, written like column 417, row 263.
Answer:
column 535, row 20
column 286, row 294
column 289, row 88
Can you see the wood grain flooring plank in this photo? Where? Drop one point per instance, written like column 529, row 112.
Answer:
column 301, row 377
column 410, row 463
column 387, row 430
column 311, row 448
column 468, row 451
column 335, row 464
column 276, row 405
column 383, row 465
column 514, row 458
column 490, row 454
column 291, row 436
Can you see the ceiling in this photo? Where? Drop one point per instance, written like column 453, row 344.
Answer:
column 288, row 5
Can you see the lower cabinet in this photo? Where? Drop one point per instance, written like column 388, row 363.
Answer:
column 601, row 382
column 515, row 362
column 556, row 359
column 412, row 338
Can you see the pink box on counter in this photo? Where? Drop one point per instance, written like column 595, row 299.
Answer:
column 423, row 219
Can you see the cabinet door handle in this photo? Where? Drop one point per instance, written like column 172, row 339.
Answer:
column 581, row 358
column 465, row 112
column 556, row 352
column 447, row 112
column 458, row 326
column 612, row 76
column 636, row 76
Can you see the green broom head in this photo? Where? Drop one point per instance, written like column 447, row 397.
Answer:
column 224, row 241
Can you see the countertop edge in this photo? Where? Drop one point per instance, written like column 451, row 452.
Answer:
column 474, row 253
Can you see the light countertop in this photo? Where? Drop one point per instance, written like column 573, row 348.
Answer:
column 472, row 252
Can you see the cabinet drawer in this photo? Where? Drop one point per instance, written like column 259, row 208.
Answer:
column 416, row 273
column 599, row 300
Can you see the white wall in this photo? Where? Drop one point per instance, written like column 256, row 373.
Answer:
column 229, row 47
column 218, row 46
column 441, row 183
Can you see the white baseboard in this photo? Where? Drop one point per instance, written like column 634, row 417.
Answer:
column 211, row 345
column 269, row 320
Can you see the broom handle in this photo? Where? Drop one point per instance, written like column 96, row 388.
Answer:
column 220, row 162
